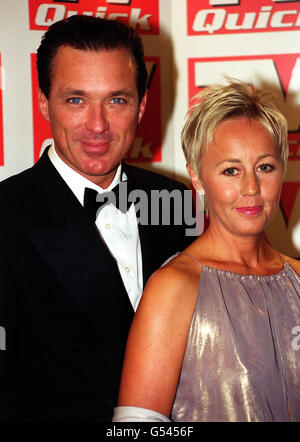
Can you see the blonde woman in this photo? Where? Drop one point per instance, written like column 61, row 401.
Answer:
column 212, row 337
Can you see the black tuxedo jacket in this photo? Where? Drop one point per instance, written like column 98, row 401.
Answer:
column 63, row 304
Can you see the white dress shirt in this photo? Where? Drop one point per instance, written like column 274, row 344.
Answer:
column 118, row 230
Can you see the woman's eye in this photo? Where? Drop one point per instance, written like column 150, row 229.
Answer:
column 266, row 168
column 231, row 171
column 75, row 100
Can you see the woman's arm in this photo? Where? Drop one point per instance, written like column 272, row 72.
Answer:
column 157, row 339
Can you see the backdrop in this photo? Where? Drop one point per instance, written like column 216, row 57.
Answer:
column 188, row 44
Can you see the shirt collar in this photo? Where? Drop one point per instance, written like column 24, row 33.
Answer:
column 77, row 182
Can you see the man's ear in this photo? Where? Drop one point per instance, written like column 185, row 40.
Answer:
column 142, row 106
column 43, row 104
column 197, row 184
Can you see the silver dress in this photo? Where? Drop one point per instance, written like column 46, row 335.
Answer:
column 242, row 360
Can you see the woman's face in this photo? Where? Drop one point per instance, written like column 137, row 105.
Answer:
column 241, row 175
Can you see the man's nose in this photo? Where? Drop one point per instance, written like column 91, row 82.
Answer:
column 97, row 119
column 250, row 184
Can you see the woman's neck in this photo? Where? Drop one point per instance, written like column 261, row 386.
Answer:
column 244, row 254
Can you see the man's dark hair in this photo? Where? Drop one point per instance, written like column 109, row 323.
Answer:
column 89, row 33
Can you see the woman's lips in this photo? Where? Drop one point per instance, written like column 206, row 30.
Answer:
column 252, row 210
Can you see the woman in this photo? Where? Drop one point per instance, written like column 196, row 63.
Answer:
column 212, row 339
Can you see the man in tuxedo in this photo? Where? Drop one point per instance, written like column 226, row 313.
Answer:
column 72, row 275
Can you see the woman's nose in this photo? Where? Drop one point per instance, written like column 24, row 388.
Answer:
column 250, row 184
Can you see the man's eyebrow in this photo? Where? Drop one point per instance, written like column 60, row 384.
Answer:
column 126, row 92
column 79, row 92
column 68, row 92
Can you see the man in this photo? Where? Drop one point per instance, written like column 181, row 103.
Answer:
column 71, row 278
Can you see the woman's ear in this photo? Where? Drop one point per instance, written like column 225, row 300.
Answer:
column 194, row 178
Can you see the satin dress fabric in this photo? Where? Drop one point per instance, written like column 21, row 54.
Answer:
column 242, row 360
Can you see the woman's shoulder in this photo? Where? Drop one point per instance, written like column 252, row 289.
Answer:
column 175, row 283
column 294, row 263
column 180, row 269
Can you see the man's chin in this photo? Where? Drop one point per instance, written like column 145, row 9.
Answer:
column 101, row 175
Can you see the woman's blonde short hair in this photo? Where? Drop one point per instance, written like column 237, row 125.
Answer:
column 219, row 102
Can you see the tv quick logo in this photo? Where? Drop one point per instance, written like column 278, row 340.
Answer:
column 278, row 72
column 141, row 15
column 232, row 16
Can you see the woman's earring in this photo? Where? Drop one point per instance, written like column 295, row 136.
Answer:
column 205, row 205
column 201, row 200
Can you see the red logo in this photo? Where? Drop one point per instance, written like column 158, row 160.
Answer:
column 141, row 15
column 2, row 87
column 240, row 16
column 278, row 73
column 148, row 140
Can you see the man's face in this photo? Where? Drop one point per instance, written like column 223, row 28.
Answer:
column 93, row 109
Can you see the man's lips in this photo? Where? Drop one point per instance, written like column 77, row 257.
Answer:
column 251, row 210
column 96, row 147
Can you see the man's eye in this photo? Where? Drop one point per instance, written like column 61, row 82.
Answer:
column 231, row 171
column 266, row 168
column 75, row 100
column 118, row 100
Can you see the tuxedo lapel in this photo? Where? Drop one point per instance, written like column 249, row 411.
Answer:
column 70, row 244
